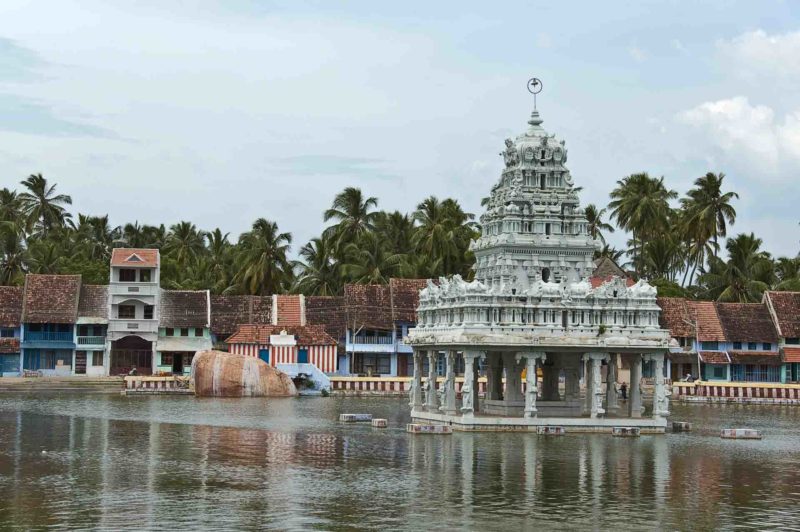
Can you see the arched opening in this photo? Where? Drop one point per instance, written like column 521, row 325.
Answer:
column 545, row 274
column 131, row 352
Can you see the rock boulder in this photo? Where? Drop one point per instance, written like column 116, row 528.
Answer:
column 221, row 374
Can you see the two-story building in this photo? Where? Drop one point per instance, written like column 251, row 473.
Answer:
column 784, row 309
column 184, row 328
column 91, row 331
column 10, row 330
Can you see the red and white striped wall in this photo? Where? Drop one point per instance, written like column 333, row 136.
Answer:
column 322, row 356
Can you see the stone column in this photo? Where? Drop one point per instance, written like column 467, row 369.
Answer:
column 587, row 384
column 550, row 376
column 531, row 380
column 431, row 402
column 416, row 382
column 494, row 376
column 513, row 392
column 572, row 385
column 596, row 397
column 448, row 390
column 635, row 398
column 469, row 392
column 612, row 403
column 660, row 393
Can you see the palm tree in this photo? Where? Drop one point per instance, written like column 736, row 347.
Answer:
column 41, row 205
column 640, row 204
column 443, row 235
column 320, row 274
column 353, row 215
column 185, row 243
column 264, row 268
column 788, row 272
column 396, row 230
column 369, row 262
column 708, row 209
column 746, row 274
column 133, row 235
column 13, row 255
column 596, row 224
column 610, row 252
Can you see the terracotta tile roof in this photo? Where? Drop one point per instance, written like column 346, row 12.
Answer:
column 9, row 345
column 714, row 357
column 328, row 312
column 755, row 357
column 675, row 317
column 228, row 312
column 405, row 298
column 134, row 257
column 183, row 308
column 708, row 324
column 259, row 334
column 597, row 280
column 10, row 306
column 51, row 298
column 93, row 301
column 368, row 306
column 791, row 354
column 786, row 306
column 746, row 322
column 604, row 267
column 288, row 310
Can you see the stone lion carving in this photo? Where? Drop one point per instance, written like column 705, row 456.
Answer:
column 642, row 289
column 510, row 155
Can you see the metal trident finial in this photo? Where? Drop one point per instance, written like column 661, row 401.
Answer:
column 534, row 87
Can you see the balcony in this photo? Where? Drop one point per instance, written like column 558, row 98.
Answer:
column 133, row 289
column 133, row 326
column 91, row 340
column 371, row 344
column 48, row 336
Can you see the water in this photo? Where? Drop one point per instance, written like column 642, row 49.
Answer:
column 185, row 463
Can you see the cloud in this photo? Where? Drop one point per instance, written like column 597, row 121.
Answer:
column 21, row 116
column 678, row 46
column 18, row 63
column 307, row 165
column 748, row 133
column 757, row 53
column 637, row 54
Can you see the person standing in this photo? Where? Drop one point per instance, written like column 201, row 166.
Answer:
column 623, row 389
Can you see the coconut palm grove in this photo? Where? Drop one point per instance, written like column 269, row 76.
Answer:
column 684, row 244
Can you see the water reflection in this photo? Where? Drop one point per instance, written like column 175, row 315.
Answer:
column 288, row 465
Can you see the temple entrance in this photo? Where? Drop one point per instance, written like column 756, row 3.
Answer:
column 131, row 352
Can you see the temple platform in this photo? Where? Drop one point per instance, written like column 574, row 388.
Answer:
column 490, row 423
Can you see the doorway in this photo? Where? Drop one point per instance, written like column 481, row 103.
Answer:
column 302, row 356
column 263, row 354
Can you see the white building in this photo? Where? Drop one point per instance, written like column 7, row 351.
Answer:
column 534, row 308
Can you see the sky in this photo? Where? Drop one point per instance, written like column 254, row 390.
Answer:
column 224, row 112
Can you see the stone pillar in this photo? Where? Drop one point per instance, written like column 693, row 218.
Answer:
column 513, row 391
column 572, row 385
column 596, row 397
column 550, row 374
column 431, row 402
column 612, row 403
column 494, row 376
column 469, row 392
column 660, row 393
column 448, row 391
column 587, row 384
column 416, row 382
column 531, row 380
column 635, row 398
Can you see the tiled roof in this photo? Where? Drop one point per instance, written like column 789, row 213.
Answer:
column 405, row 298
column 368, row 306
column 183, row 308
column 791, row 354
column 787, row 312
column 606, row 268
column 51, row 298
column 259, row 334
column 134, row 257
column 675, row 317
column 746, row 322
column 328, row 312
column 755, row 357
column 9, row 345
column 707, row 319
column 228, row 312
column 93, row 301
column 714, row 357
column 10, row 306
column 288, row 310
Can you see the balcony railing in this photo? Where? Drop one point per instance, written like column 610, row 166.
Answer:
column 91, row 340
column 48, row 336
column 365, row 340
column 123, row 325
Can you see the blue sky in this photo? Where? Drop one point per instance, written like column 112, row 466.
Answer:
column 222, row 112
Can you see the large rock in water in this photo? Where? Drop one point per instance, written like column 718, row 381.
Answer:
column 221, row 374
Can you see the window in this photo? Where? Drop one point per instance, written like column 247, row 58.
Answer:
column 766, row 346
column 6, row 332
column 752, row 346
column 719, row 372
column 184, row 332
column 737, row 345
column 144, row 276
column 166, row 359
column 169, row 332
column 127, row 312
column 198, row 332
column 713, row 346
column 127, row 275
column 547, row 229
column 793, row 341
column 148, row 312
column 97, row 358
